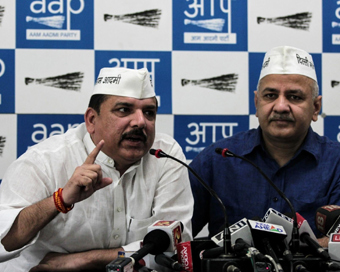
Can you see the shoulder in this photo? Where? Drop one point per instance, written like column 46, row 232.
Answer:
column 323, row 141
column 238, row 141
column 166, row 143
column 70, row 141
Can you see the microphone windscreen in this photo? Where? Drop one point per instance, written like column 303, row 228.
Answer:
column 159, row 239
column 172, row 228
column 326, row 216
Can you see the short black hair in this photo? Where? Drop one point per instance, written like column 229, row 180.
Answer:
column 98, row 99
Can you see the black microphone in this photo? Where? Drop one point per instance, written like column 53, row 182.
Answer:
column 306, row 235
column 155, row 242
column 300, row 267
column 231, row 267
column 225, row 152
column 168, row 262
column 241, row 248
column 226, row 236
column 327, row 219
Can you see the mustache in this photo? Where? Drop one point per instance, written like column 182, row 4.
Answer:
column 135, row 132
column 281, row 117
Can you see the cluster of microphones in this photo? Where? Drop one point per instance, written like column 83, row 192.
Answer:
column 275, row 242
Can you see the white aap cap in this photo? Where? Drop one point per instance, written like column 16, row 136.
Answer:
column 288, row 60
column 135, row 83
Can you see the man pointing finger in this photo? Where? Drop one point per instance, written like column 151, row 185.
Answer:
column 73, row 201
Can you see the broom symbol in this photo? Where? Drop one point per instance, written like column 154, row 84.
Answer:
column 2, row 12
column 52, row 21
column 212, row 24
column 225, row 83
column 2, row 144
column 297, row 21
column 334, row 83
column 148, row 18
column 71, row 81
column 335, row 24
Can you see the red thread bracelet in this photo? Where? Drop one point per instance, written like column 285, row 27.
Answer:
column 59, row 202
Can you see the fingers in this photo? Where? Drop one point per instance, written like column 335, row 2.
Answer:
column 93, row 155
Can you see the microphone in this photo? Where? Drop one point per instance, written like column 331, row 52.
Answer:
column 327, row 219
column 307, row 236
column 274, row 217
column 300, row 267
column 295, row 232
column 155, row 242
column 334, row 246
column 227, row 238
column 174, row 230
column 241, row 248
column 168, row 262
column 261, row 230
column 231, row 267
column 189, row 252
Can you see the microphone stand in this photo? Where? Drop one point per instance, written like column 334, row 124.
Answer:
column 227, row 248
column 295, row 232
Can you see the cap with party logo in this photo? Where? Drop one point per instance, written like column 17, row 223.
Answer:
column 135, row 83
column 288, row 60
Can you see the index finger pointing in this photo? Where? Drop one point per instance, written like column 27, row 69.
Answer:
column 93, row 155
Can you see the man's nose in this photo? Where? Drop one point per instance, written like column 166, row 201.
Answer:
column 281, row 104
column 138, row 119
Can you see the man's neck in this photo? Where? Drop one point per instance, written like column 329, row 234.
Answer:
column 282, row 151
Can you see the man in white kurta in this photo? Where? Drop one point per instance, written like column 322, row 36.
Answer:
column 113, row 217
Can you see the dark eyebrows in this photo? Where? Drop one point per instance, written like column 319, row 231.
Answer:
column 130, row 105
column 150, row 107
column 124, row 104
column 273, row 90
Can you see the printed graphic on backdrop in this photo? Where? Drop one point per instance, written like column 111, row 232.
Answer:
column 157, row 63
column 295, row 23
column 8, row 141
column 194, row 133
column 210, row 83
column 331, row 84
column 7, row 24
column 210, row 25
column 7, row 81
column 2, row 11
column 55, row 24
column 133, row 25
column 331, row 26
column 71, row 81
column 300, row 20
column 34, row 128
column 332, row 127
column 53, row 81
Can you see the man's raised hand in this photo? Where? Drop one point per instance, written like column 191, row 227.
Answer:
column 86, row 179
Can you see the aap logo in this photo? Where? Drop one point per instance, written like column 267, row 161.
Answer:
column 7, row 81
column 55, row 24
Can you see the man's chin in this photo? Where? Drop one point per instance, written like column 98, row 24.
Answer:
column 135, row 152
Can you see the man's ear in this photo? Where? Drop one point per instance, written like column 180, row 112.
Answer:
column 317, row 108
column 255, row 101
column 90, row 119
